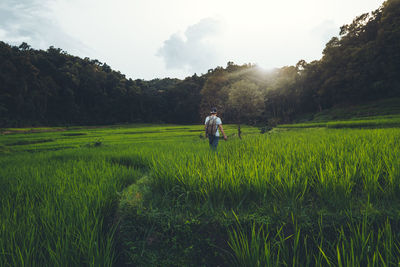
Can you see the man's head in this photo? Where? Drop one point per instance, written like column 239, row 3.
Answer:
column 213, row 111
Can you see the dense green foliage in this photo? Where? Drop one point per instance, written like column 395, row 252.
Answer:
column 51, row 87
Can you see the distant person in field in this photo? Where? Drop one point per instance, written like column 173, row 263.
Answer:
column 212, row 125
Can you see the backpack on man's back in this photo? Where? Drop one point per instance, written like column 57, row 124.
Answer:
column 211, row 126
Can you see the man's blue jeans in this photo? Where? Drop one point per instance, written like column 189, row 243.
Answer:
column 213, row 141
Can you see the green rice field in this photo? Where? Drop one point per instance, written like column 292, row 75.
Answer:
column 156, row 195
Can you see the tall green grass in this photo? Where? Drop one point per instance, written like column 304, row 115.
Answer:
column 355, row 244
column 286, row 181
column 59, row 190
column 328, row 165
column 55, row 209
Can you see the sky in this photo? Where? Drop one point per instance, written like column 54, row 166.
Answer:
column 147, row 39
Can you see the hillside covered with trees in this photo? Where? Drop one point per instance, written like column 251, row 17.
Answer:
column 54, row 88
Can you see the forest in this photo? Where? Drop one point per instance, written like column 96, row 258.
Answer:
column 52, row 87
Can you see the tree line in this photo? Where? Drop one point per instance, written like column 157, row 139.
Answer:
column 54, row 88
column 51, row 87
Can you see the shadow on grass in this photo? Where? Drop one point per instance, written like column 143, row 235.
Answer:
column 133, row 161
column 30, row 142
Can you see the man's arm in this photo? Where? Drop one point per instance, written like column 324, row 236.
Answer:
column 205, row 125
column 222, row 131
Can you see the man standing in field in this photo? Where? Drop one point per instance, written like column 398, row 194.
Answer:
column 212, row 125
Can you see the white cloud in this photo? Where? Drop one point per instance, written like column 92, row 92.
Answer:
column 32, row 22
column 195, row 51
column 325, row 30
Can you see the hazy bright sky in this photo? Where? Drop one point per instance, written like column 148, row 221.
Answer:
column 175, row 38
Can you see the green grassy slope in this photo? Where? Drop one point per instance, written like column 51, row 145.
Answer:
column 382, row 107
column 378, row 114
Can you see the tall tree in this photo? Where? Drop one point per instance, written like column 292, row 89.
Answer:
column 245, row 102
